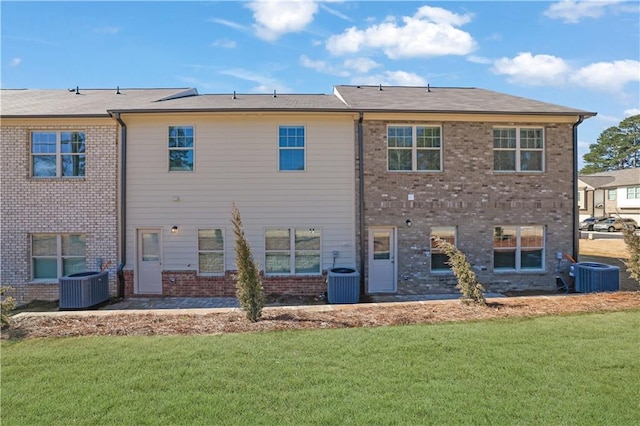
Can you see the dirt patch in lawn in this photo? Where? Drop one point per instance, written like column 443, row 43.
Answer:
column 605, row 248
column 118, row 323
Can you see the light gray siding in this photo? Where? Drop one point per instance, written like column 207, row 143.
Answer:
column 236, row 160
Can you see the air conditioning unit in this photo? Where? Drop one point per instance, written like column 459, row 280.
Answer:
column 343, row 285
column 593, row 277
column 83, row 290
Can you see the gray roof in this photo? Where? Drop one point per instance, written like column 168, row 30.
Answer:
column 613, row 179
column 445, row 100
column 86, row 103
column 100, row 102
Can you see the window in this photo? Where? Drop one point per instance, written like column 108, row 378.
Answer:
column 439, row 260
column 518, row 149
column 633, row 193
column 211, row 251
column 518, row 248
column 181, row 148
column 58, row 154
column 54, row 256
column 414, row 148
column 291, row 148
column 611, row 194
column 292, row 251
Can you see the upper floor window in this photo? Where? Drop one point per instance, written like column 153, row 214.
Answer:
column 291, row 146
column 439, row 260
column 58, row 154
column 210, row 251
column 292, row 251
column 414, row 148
column 518, row 248
column 611, row 194
column 518, row 149
column 633, row 193
column 181, row 148
column 57, row 255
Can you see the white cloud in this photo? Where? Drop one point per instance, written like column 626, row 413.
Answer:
column 108, row 30
column 335, row 12
column 227, row 23
column 275, row 18
column 529, row 70
column 572, row 11
column 362, row 65
column 15, row 62
column 224, row 42
column 479, row 59
column 265, row 84
column 607, row 76
column 632, row 111
column 392, row 78
column 321, row 66
column 431, row 31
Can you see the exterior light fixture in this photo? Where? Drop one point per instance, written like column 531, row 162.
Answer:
column 408, row 222
column 174, row 230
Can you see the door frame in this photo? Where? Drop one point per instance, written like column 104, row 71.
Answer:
column 393, row 253
column 138, row 252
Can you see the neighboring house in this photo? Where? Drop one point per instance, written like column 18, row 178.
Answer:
column 614, row 193
column 364, row 177
column 491, row 173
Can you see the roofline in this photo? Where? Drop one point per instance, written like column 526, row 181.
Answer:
column 193, row 110
column 106, row 115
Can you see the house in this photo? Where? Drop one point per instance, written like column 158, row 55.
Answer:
column 489, row 172
column 144, row 180
column 613, row 193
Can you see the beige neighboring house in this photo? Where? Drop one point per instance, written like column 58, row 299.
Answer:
column 606, row 194
column 145, row 179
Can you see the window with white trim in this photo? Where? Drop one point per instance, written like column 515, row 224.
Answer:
column 58, row 154
column 633, row 193
column 290, row 251
column 518, row 149
column 439, row 260
column 611, row 194
column 414, row 148
column 291, row 147
column 56, row 255
column 181, row 140
column 518, row 248
column 211, row 251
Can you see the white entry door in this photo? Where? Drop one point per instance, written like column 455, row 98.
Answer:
column 149, row 262
column 382, row 260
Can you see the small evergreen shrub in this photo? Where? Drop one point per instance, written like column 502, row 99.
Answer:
column 249, row 290
column 632, row 240
column 7, row 303
column 468, row 283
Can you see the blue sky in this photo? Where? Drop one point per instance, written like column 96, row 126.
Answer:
column 582, row 54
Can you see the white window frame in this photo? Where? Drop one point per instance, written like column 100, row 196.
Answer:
column 292, row 251
column 415, row 149
column 518, row 149
column 518, row 249
column 612, row 194
column 59, row 256
column 303, row 148
column 633, row 192
column 222, row 251
column 58, row 154
column 192, row 148
column 435, row 230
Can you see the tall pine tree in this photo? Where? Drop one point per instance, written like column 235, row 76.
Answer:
column 617, row 148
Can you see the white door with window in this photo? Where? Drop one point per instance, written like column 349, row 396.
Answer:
column 149, row 262
column 382, row 260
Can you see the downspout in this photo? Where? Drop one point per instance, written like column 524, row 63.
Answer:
column 123, row 204
column 576, row 232
column 361, row 200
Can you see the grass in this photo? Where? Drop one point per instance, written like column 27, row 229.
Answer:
column 579, row 369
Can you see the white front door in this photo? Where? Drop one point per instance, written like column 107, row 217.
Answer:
column 382, row 263
column 149, row 262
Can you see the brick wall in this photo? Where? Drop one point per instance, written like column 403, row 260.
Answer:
column 58, row 205
column 189, row 284
column 467, row 194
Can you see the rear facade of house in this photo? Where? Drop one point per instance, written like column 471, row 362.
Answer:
column 145, row 180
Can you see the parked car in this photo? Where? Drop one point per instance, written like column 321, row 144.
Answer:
column 587, row 224
column 614, row 224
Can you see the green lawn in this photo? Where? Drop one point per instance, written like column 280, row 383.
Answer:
column 578, row 370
